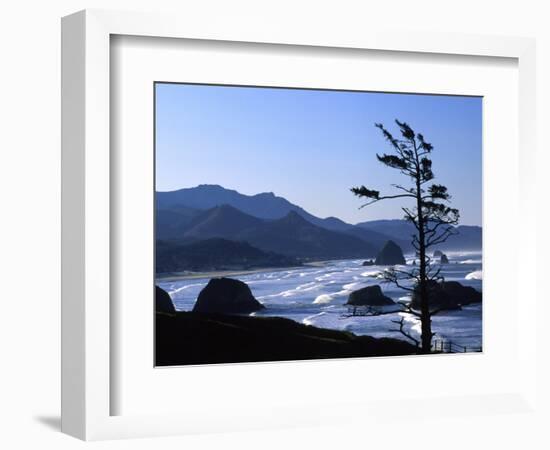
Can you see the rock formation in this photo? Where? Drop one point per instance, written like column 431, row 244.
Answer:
column 448, row 295
column 226, row 296
column 163, row 302
column 391, row 254
column 369, row 296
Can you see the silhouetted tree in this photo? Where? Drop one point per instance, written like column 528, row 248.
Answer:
column 430, row 214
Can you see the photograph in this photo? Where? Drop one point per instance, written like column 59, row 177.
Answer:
column 299, row 224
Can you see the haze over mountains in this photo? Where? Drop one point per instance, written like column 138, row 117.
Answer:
column 187, row 220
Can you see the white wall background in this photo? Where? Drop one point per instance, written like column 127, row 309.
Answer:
column 29, row 226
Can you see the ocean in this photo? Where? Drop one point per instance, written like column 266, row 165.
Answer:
column 316, row 296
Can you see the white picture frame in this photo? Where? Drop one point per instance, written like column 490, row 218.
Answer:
column 86, row 198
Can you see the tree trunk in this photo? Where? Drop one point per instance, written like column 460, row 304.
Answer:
column 425, row 319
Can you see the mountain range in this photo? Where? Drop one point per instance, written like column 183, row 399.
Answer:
column 274, row 226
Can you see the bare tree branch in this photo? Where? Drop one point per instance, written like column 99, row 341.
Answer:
column 441, row 238
column 401, row 330
column 408, row 309
column 386, row 197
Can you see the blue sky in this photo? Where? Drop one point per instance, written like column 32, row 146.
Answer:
column 312, row 146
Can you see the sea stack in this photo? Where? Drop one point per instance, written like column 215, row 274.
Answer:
column 369, row 296
column 447, row 295
column 163, row 302
column 226, row 296
column 390, row 255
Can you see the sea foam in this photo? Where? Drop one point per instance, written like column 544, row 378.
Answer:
column 327, row 298
column 476, row 275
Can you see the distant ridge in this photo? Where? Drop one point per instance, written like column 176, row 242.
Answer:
column 291, row 235
column 171, row 221
column 222, row 221
column 295, row 236
column 468, row 237
column 265, row 205
column 211, row 210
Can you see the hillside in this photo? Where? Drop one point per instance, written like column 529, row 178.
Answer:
column 171, row 221
column 221, row 222
column 214, row 255
column 192, row 338
column 291, row 235
column 295, row 236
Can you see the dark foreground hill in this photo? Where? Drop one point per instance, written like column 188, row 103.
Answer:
column 193, row 338
column 215, row 254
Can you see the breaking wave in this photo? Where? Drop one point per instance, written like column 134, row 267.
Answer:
column 476, row 275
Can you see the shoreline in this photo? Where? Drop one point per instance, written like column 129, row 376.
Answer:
column 180, row 276
column 235, row 272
